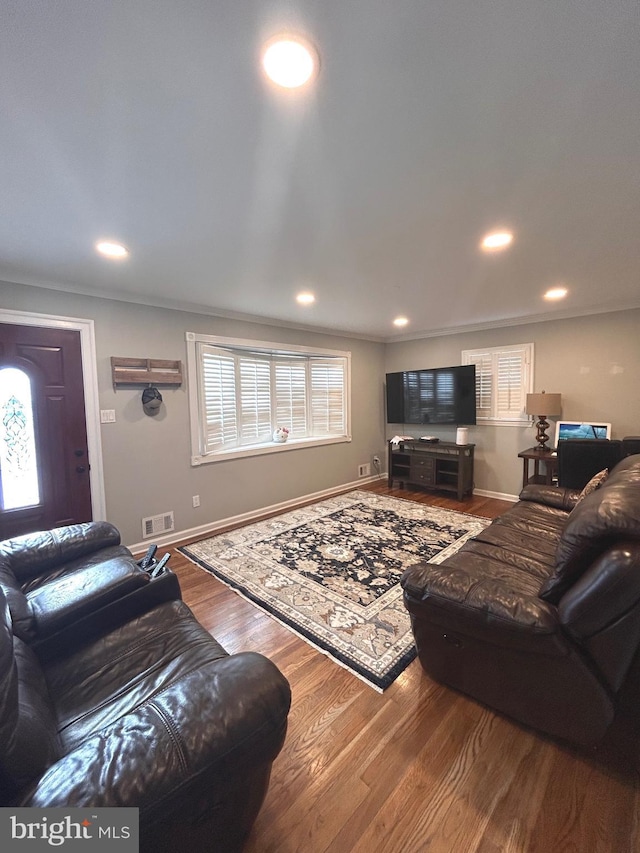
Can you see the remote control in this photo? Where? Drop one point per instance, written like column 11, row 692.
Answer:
column 145, row 562
column 159, row 567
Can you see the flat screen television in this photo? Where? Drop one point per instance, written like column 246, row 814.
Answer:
column 441, row 395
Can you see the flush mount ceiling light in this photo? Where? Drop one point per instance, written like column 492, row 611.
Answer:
column 556, row 293
column 290, row 61
column 111, row 250
column 400, row 321
column 305, row 298
column 496, row 240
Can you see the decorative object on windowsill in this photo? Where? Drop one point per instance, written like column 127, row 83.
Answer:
column 280, row 434
column 151, row 400
column 550, row 404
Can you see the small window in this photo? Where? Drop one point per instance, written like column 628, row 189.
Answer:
column 241, row 391
column 504, row 377
column 18, row 459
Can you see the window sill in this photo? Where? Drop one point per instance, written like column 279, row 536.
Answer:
column 496, row 422
column 269, row 447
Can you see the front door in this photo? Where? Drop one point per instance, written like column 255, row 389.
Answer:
column 44, row 465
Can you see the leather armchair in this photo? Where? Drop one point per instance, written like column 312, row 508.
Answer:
column 153, row 714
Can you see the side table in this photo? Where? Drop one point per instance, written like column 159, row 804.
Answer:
column 550, row 459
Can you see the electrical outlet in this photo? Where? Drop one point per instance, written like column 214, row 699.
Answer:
column 196, row 500
column 364, row 470
column 376, row 462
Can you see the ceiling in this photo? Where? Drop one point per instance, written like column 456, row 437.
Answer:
column 431, row 123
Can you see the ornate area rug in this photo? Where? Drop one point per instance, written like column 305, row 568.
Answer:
column 330, row 572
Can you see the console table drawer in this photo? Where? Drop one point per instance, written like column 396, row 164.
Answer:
column 419, row 463
column 422, row 470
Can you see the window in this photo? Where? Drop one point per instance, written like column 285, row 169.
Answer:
column 240, row 391
column 18, row 462
column 504, row 377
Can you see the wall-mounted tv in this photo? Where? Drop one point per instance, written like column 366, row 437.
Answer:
column 441, row 395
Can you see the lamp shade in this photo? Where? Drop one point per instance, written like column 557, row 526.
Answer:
column 544, row 404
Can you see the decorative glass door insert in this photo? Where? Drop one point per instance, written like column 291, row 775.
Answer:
column 18, row 457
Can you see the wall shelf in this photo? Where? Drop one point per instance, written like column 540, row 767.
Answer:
column 145, row 371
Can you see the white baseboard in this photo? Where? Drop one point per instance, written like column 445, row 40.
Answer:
column 501, row 496
column 246, row 517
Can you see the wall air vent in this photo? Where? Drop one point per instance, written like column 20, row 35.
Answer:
column 157, row 524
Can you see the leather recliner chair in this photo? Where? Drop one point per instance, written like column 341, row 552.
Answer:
column 143, row 710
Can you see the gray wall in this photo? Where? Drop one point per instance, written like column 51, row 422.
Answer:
column 594, row 362
column 147, row 459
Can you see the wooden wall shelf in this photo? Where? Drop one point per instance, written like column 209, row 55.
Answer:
column 145, row 371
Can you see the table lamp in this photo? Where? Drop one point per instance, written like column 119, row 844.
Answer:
column 541, row 406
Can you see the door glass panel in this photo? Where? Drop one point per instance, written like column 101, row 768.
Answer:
column 18, row 460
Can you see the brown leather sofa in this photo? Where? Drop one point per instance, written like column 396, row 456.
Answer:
column 143, row 708
column 538, row 616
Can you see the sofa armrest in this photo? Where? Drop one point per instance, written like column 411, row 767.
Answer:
column 66, row 599
column 555, row 496
column 213, row 722
column 35, row 553
column 480, row 598
column 608, row 590
column 602, row 611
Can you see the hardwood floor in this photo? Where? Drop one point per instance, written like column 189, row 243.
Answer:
column 419, row 767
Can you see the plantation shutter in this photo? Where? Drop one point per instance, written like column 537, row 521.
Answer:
column 503, row 379
column 255, row 399
column 291, row 396
column 328, row 396
column 510, row 402
column 218, row 383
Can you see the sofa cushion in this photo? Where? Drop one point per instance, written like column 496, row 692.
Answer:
column 111, row 676
column 609, row 513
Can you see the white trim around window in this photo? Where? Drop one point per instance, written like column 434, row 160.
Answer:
column 504, row 377
column 241, row 390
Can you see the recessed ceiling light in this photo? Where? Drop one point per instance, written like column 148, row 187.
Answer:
column 400, row 321
column 556, row 293
column 497, row 240
column 305, row 298
column 112, row 250
column 290, row 61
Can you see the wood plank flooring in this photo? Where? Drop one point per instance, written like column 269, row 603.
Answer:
column 419, row 767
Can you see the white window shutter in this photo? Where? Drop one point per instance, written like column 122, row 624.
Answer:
column 291, row 396
column 510, row 369
column 219, row 423
column 327, row 397
column 484, row 382
column 255, row 399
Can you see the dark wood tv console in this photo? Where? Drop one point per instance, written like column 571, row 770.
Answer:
column 438, row 465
